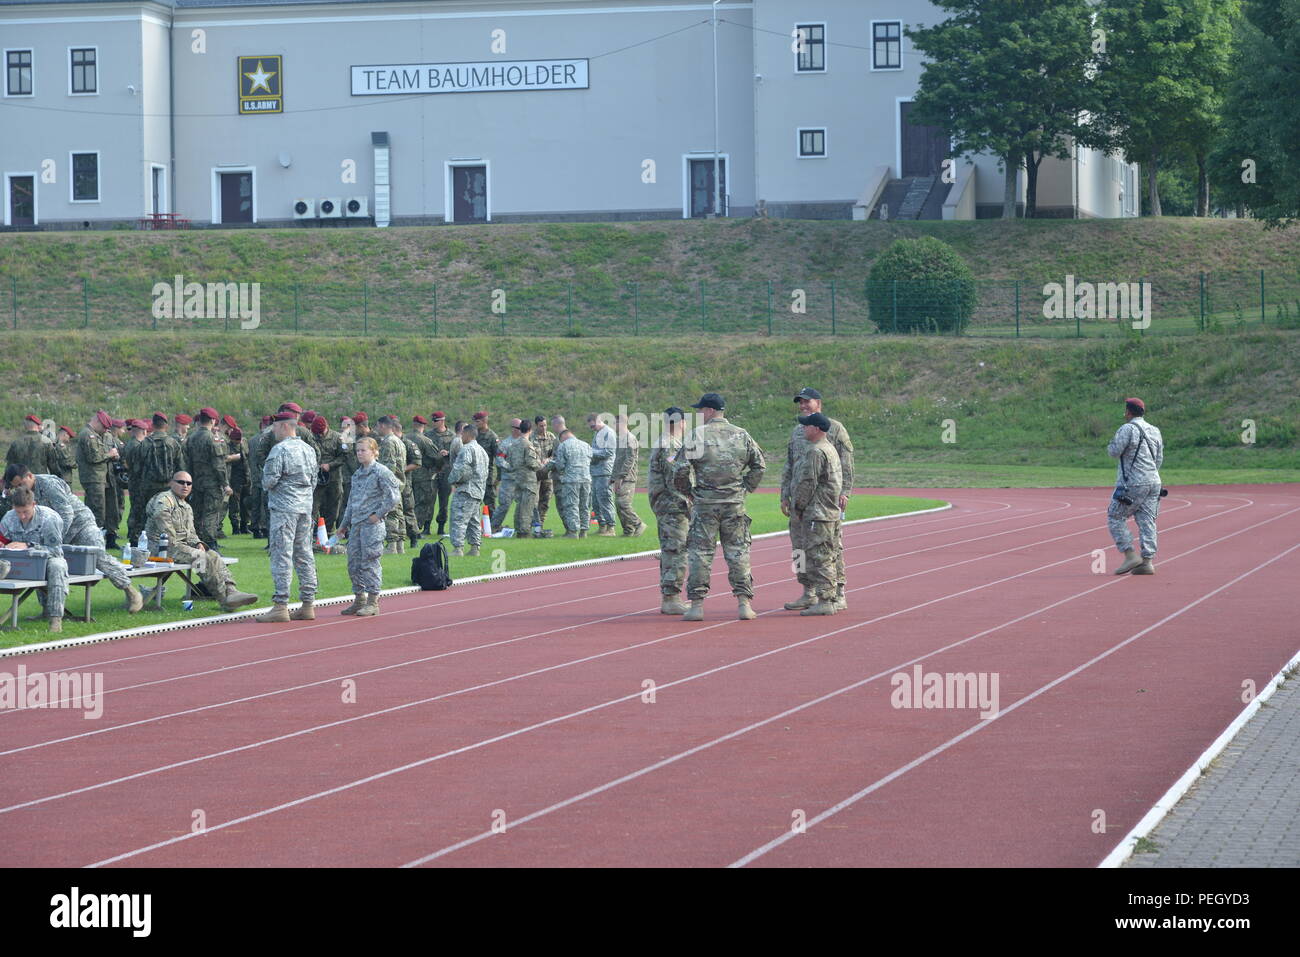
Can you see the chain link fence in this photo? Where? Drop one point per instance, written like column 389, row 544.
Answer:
column 1077, row 307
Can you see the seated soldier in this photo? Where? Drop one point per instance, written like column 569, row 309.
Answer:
column 29, row 525
column 168, row 513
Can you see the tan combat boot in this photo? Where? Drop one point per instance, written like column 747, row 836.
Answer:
column 743, row 611
column 134, row 600
column 279, row 612
column 841, row 600
column 606, row 531
column 1145, row 567
column 473, row 551
column 1131, row 561
column 56, row 625
column 307, row 612
column 234, row 598
column 390, row 548
column 458, row 553
column 806, row 600
column 696, row 611
column 358, row 600
column 671, row 605
column 570, row 534
column 824, row 606
column 371, row 606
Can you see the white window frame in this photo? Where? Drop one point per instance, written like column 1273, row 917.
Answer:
column 166, row 198
column 4, row 63
column 83, row 46
column 449, row 207
column 36, row 194
column 686, row 180
column 798, row 143
column 871, row 38
column 72, row 184
column 826, row 63
column 216, row 191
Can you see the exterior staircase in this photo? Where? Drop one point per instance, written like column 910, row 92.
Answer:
column 916, row 197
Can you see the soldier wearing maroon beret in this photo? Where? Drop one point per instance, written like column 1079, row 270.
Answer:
column 33, row 449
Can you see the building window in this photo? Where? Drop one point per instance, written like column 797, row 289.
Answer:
column 810, row 48
column 812, row 142
column 887, row 45
column 18, row 73
column 85, row 177
column 84, row 76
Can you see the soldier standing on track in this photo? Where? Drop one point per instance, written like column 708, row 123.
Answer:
column 810, row 401
column 289, row 477
column 672, row 510
column 375, row 492
column 814, row 505
column 1140, row 449
column 468, row 479
column 727, row 465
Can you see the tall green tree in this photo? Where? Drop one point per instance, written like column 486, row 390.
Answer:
column 1011, row 78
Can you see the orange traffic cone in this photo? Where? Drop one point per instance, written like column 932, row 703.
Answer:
column 322, row 537
column 487, row 522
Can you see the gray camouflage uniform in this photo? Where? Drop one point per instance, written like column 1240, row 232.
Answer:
column 603, row 448
column 375, row 491
column 79, row 527
column 468, row 480
column 46, row 531
column 672, row 511
column 572, row 467
column 505, row 482
column 524, row 462
column 392, row 455
column 727, row 465
column 289, row 477
column 1140, row 449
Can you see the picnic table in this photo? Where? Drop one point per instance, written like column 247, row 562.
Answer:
column 164, row 221
column 19, row 588
column 165, row 570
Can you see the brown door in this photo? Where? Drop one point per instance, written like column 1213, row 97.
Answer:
column 469, row 194
column 702, row 186
column 236, row 197
column 924, row 147
column 22, row 201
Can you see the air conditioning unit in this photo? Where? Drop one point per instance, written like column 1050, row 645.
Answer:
column 304, row 209
column 331, row 208
column 357, row 206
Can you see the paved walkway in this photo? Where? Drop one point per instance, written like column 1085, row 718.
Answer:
column 1245, row 811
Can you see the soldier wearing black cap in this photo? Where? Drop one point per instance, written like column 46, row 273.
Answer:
column 810, row 401
column 726, row 464
column 815, row 508
column 672, row 511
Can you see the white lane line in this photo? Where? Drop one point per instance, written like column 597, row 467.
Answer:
column 597, row 707
column 853, row 799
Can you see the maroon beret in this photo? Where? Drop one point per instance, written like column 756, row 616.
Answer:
column 420, row 420
column 285, row 416
column 34, row 418
column 104, row 419
column 71, row 434
column 293, row 407
column 439, row 415
column 361, row 417
column 319, row 425
column 230, row 421
column 183, row 419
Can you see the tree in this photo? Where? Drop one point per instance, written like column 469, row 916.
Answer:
column 1010, row 78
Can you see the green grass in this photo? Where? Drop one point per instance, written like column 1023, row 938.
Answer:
column 498, row 555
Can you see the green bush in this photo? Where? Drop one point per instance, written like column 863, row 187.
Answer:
column 920, row 285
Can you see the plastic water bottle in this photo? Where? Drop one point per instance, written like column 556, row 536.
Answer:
column 142, row 550
column 537, row 529
column 162, row 546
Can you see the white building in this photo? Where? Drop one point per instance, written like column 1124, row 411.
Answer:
column 428, row 111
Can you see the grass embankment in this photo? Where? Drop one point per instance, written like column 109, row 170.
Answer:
column 498, row 555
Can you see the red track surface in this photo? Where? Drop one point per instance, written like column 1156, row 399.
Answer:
column 520, row 701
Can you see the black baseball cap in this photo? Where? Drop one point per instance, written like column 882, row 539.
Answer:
column 807, row 393
column 675, row 413
column 710, row 400
column 817, row 419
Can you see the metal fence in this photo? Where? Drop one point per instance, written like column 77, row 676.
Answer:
column 1178, row 304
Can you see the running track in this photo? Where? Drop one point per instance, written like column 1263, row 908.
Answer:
column 520, row 701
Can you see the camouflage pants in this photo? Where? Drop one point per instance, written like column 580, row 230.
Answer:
column 673, row 528
column 237, row 506
column 112, row 508
column 410, row 528
column 728, row 522
column 543, row 498
column 211, row 568
column 466, row 519
column 490, row 490
column 94, row 498
column 602, row 497
column 135, row 520
column 395, row 521
column 526, row 505
column 575, row 505
column 209, row 505
column 800, row 544
column 325, row 504
column 55, row 596
column 442, row 489
column 290, row 543
column 365, row 557
column 105, row 563
column 506, row 494
column 821, row 548
column 424, row 495
column 627, row 516
column 1145, row 507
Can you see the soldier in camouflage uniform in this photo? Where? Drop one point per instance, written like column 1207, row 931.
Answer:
column 545, row 442
column 240, row 498
column 810, row 401
column 414, row 461
column 424, row 475
column 524, row 463
column 259, row 447
column 93, row 457
column 1140, row 449
column 158, row 457
column 206, row 453
column 604, row 446
column 354, row 429
column 489, row 441
column 289, row 477
column 672, row 510
column 727, row 465
column 468, row 479
column 571, row 466
column 506, row 486
column 814, row 506
column 392, row 455
column 325, row 504
column 444, row 440
column 40, row 527
column 66, row 456
column 33, row 449
column 114, row 484
column 170, row 514
column 623, row 479
column 133, row 454
column 375, row 492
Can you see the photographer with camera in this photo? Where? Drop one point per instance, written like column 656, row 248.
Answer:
column 1140, row 450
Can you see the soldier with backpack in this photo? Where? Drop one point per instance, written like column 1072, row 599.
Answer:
column 375, row 492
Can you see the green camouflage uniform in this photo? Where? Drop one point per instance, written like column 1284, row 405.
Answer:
column 114, row 489
column 34, row 451
column 92, row 470
column 545, row 444
column 392, row 455
column 240, row 492
column 206, row 453
column 524, row 462
column 838, row 437
column 488, row 441
column 727, row 464
column 410, row 522
column 325, row 503
column 672, row 511
column 258, row 449
column 442, row 441
column 174, row 517
column 66, row 461
column 424, row 480
column 625, row 472
column 157, row 459
column 814, row 492
column 135, row 465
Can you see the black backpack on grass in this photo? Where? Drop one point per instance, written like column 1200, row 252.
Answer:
column 430, row 570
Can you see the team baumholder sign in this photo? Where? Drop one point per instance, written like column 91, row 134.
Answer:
column 492, row 77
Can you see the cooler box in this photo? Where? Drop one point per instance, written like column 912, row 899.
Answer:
column 26, row 564
column 81, row 558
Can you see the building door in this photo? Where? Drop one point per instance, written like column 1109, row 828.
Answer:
column 159, row 192
column 469, row 194
column 22, row 201
column 236, row 197
column 701, row 178
column 924, row 148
